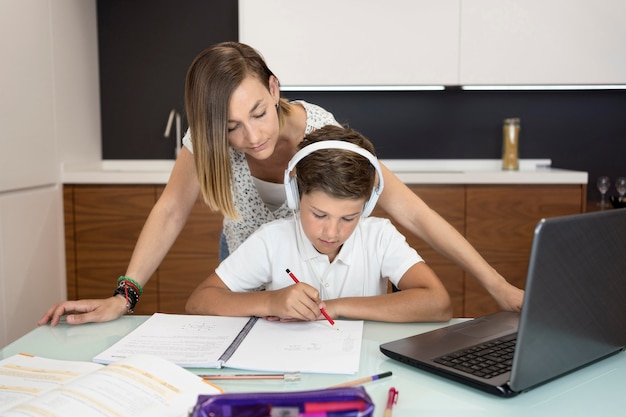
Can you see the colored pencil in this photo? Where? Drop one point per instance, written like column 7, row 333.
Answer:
column 290, row 376
column 363, row 380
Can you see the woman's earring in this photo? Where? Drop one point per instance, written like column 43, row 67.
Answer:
column 277, row 104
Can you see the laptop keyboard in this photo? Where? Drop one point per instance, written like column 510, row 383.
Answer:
column 486, row 360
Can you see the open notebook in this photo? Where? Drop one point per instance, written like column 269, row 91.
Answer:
column 574, row 313
column 194, row 341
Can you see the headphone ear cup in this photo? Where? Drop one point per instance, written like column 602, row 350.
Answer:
column 368, row 208
column 291, row 191
column 371, row 203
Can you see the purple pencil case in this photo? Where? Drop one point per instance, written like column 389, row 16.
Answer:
column 330, row 402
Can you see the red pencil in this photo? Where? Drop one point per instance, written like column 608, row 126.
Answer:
column 330, row 320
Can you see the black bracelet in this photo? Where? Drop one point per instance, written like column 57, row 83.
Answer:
column 130, row 295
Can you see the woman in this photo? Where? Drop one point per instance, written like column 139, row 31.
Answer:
column 241, row 137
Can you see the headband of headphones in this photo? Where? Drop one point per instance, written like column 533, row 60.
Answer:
column 291, row 183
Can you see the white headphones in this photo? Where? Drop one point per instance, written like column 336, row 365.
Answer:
column 291, row 183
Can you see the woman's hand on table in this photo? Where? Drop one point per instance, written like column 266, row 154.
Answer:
column 85, row 311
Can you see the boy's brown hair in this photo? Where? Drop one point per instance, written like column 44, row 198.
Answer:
column 339, row 173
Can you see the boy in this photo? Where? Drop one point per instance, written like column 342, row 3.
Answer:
column 342, row 258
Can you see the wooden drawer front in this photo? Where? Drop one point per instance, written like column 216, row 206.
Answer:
column 449, row 202
column 103, row 222
column 500, row 224
column 192, row 258
column 108, row 220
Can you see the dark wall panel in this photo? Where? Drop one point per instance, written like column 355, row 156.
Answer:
column 580, row 130
column 145, row 48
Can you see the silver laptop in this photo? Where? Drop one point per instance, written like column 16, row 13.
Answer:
column 574, row 313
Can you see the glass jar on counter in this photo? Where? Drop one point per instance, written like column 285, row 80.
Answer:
column 510, row 141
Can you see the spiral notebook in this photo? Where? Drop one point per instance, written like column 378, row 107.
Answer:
column 251, row 343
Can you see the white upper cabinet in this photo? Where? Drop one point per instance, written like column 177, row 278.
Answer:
column 543, row 42
column 438, row 42
column 355, row 42
column 28, row 149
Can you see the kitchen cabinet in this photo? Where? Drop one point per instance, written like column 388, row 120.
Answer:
column 31, row 258
column 27, row 148
column 449, row 42
column 31, row 98
column 103, row 222
column 542, row 42
column 106, row 221
column 499, row 221
column 449, row 202
column 102, row 225
column 355, row 43
column 193, row 257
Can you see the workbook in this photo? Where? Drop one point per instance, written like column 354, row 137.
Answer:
column 141, row 385
column 250, row 343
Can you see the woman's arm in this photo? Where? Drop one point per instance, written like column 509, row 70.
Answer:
column 422, row 298
column 167, row 218
column 410, row 211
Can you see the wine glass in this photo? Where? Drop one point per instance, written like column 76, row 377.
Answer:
column 603, row 184
column 620, row 186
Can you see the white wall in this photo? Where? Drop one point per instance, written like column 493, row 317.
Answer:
column 49, row 112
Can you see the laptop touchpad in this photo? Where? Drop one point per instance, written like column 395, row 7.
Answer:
column 485, row 328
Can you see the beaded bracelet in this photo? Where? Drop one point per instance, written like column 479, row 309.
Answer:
column 132, row 281
column 130, row 293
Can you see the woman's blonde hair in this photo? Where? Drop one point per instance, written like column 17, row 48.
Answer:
column 211, row 79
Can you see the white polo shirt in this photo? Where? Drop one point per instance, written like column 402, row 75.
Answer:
column 375, row 253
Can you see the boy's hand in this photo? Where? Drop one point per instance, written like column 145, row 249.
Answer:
column 295, row 302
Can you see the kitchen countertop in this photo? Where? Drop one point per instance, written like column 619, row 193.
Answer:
column 413, row 171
